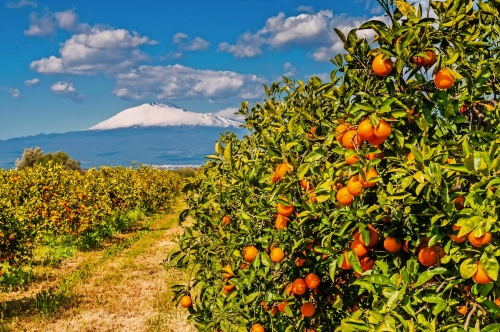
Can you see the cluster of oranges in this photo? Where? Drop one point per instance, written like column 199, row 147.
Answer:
column 383, row 66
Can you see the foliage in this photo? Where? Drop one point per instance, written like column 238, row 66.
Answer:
column 36, row 156
column 450, row 182
column 92, row 206
column 28, row 158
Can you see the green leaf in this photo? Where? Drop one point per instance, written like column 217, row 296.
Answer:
column 468, row 268
column 333, row 268
column 490, row 265
column 315, row 155
column 303, row 169
column 265, row 259
column 227, row 154
column 379, row 279
column 365, row 284
column 353, row 260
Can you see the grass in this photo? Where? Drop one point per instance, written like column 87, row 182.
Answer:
column 119, row 287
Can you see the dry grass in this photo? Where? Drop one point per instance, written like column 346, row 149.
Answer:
column 126, row 291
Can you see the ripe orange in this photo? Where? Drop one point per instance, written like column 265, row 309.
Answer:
column 281, row 222
column 341, row 130
column 479, row 241
column 228, row 287
column 410, row 156
column 351, row 140
column 228, row 272
column 344, row 197
column 351, row 160
column 377, row 140
column 371, row 156
column 257, row 328
column 354, row 186
column 497, row 302
column 299, row 286
column 462, row 310
column 424, row 62
column 274, row 178
column 274, row 310
column 345, row 264
column 382, row 67
column 373, row 237
column 365, row 130
column 277, row 255
column 264, row 305
column 359, row 248
column 288, row 290
column 285, row 211
column 249, row 253
column 367, row 264
column 455, row 237
column 392, row 245
column 300, row 261
column 372, row 173
column 312, row 281
column 281, row 170
column 186, row 301
column 428, row 256
column 282, row 306
column 307, row 309
column 405, row 246
column 383, row 129
column 226, row 220
column 444, row 79
column 305, row 184
column 480, row 276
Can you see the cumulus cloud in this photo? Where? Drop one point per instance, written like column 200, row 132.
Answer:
column 305, row 9
column 14, row 93
column 179, row 82
column 21, row 4
column 66, row 89
column 310, row 31
column 187, row 44
column 290, row 70
column 48, row 24
column 229, row 114
column 32, row 82
column 100, row 50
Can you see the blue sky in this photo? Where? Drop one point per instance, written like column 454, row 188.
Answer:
column 68, row 65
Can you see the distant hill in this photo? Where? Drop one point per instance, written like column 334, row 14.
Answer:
column 156, row 135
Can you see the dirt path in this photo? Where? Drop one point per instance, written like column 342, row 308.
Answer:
column 119, row 289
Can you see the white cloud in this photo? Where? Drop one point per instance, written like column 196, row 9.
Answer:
column 14, row 93
column 66, row 89
column 290, row 70
column 32, row 82
column 309, row 31
column 41, row 26
column 48, row 23
column 229, row 114
column 179, row 82
column 20, row 4
column 186, row 44
column 306, row 9
column 101, row 50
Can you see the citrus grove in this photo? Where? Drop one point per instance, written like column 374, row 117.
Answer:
column 52, row 199
column 368, row 203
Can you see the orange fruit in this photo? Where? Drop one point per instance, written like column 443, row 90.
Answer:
column 243, row 266
column 497, row 302
column 365, row 130
column 228, row 287
column 373, row 237
column 257, row 328
column 455, row 237
column 480, row 276
column 428, row 256
column 377, row 140
column 424, row 62
column 288, row 290
column 444, row 79
column 281, row 170
column 274, row 178
column 392, row 245
column 281, row 222
column 277, row 255
column 371, row 156
column 372, row 173
column 344, row 197
column 305, row 184
column 228, row 272
column 307, row 309
column 410, row 156
column 359, row 248
column 464, row 108
column 249, row 253
column 299, row 286
column 382, row 67
column 341, row 130
column 282, row 306
column 285, row 210
column 405, row 246
column 226, row 220
column 345, row 263
column 351, row 140
column 459, row 202
column 354, row 186
column 264, row 305
column 186, row 301
column 383, row 129
column 479, row 241
column 351, row 160
column 367, row 263
column 300, row 261
column 462, row 310
column 274, row 310
column 312, row 281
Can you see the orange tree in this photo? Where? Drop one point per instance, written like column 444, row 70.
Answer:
column 365, row 204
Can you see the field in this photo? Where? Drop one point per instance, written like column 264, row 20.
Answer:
column 109, row 277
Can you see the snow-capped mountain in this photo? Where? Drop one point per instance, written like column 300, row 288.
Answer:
column 162, row 115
